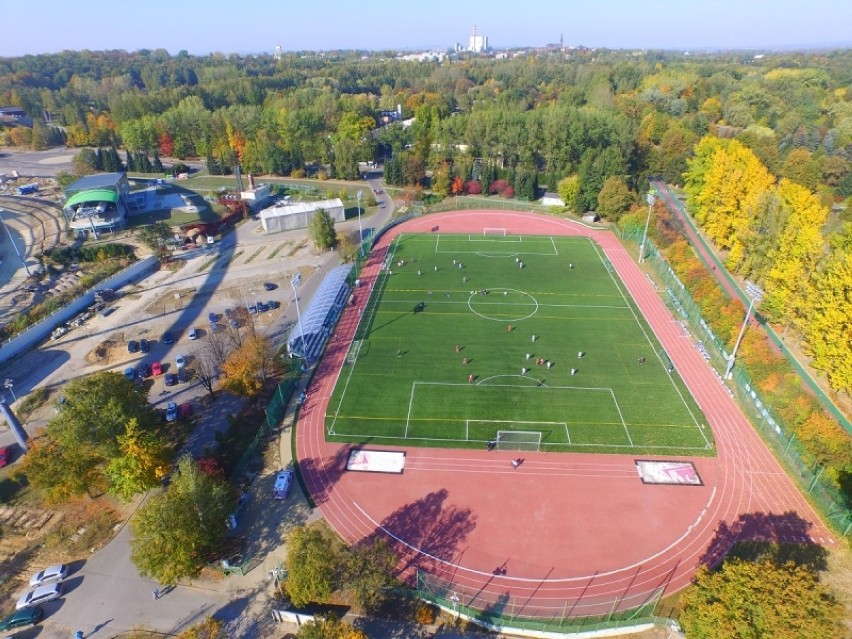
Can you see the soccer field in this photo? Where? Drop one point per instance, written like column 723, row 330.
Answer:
column 468, row 336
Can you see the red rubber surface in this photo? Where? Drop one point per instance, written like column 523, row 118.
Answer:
column 575, row 534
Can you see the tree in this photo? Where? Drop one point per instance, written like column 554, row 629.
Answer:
column 247, row 367
column 156, row 237
column 369, row 571
column 176, row 532
column 315, row 564
column 568, row 189
column 747, row 600
column 142, row 464
column 98, row 423
column 614, row 199
column 209, row 628
column 329, row 628
column 321, row 230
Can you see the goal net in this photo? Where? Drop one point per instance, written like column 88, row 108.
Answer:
column 354, row 350
column 525, row 440
column 494, row 231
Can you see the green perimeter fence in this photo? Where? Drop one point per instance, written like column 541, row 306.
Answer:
column 508, row 614
column 805, row 467
column 275, row 412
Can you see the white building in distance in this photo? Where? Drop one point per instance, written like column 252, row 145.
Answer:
column 478, row 43
column 296, row 215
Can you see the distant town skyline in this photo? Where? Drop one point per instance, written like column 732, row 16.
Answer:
column 256, row 26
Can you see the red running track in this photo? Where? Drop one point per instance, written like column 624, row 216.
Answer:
column 564, row 534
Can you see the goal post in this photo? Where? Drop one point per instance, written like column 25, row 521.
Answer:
column 494, row 231
column 521, row 440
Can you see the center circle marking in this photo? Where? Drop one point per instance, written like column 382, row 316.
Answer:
column 497, row 294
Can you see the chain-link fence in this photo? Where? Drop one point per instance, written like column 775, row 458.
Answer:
column 507, row 612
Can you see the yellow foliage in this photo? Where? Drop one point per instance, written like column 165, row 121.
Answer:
column 426, row 614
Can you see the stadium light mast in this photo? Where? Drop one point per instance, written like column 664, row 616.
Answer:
column 755, row 295
column 294, row 282
column 360, row 232
column 650, row 198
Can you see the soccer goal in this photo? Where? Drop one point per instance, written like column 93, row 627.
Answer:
column 354, row 350
column 494, row 231
column 525, row 440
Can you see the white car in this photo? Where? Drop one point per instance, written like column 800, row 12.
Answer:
column 40, row 595
column 171, row 411
column 180, row 361
column 51, row 574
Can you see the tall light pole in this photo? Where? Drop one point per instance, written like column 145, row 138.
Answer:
column 650, row 198
column 9, row 385
column 297, row 279
column 14, row 245
column 360, row 232
column 455, row 599
column 755, row 295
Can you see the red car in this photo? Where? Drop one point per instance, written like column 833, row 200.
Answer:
column 5, row 455
column 156, row 369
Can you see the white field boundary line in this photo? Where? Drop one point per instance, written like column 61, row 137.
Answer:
column 375, row 295
column 650, row 342
column 618, row 408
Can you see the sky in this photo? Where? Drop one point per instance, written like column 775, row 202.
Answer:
column 256, row 26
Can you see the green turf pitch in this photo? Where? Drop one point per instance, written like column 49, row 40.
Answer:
column 404, row 383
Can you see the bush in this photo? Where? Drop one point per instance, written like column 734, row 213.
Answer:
column 426, row 614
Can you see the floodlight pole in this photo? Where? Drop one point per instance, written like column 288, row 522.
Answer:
column 455, row 599
column 650, row 198
column 360, row 232
column 9, row 384
column 294, row 282
column 755, row 294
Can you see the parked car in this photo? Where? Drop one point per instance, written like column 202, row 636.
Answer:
column 211, row 316
column 171, row 411
column 283, row 480
column 144, row 345
column 168, row 338
column 269, row 286
column 156, row 369
column 229, row 313
column 193, row 333
column 184, row 374
column 252, row 309
column 5, row 455
column 180, row 361
column 143, row 370
column 185, row 410
column 132, row 346
column 261, row 307
column 235, row 323
column 130, row 373
column 40, row 595
column 51, row 574
column 171, row 379
column 21, row 618
column 273, row 304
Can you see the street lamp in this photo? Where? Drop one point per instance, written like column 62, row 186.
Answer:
column 360, row 232
column 755, row 295
column 455, row 599
column 297, row 279
column 14, row 245
column 9, row 384
column 650, row 198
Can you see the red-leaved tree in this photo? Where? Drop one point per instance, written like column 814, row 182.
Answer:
column 166, row 145
column 498, row 186
column 474, row 187
column 457, row 188
column 508, row 192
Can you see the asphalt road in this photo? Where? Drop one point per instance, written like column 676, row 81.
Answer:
column 106, row 595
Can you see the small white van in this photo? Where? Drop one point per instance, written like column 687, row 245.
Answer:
column 283, row 481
